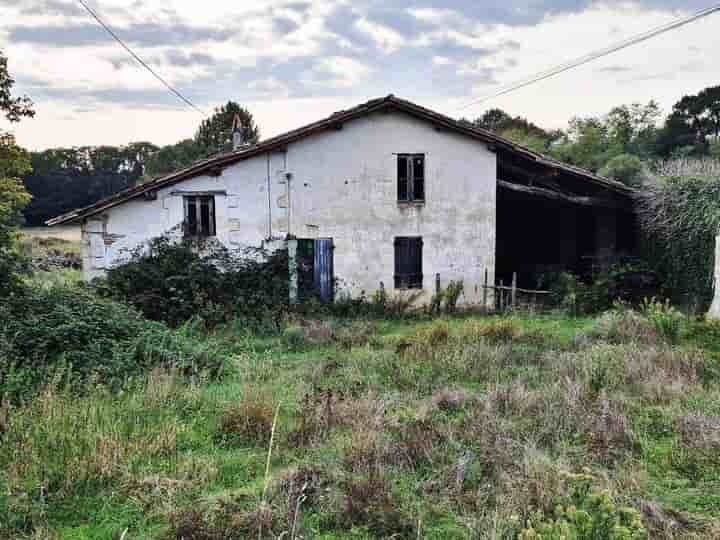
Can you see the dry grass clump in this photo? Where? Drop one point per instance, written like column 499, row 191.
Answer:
column 667, row 523
column 418, row 442
column 225, row 523
column 357, row 334
column 434, row 335
column 318, row 332
column 450, row 399
column 323, row 410
column 655, row 374
column 249, row 421
column 301, row 487
column 497, row 331
column 701, row 432
column 661, row 375
column 368, row 501
column 621, row 327
column 493, row 445
column 317, row 416
column 609, row 431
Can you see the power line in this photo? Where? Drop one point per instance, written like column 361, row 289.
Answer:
column 140, row 60
column 561, row 68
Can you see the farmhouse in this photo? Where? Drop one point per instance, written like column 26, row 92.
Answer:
column 388, row 193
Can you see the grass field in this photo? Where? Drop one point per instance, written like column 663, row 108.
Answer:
column 71, row 233
column 463, row 427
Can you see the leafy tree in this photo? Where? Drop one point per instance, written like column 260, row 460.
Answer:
column 694, row 121
column 14, row 164
column 498, row 121
column 517, row 129
column 67, row 178
column 625, row 168
column 587, row 144
column 14, row 108
column 524, row 138
column 173, row 157
column 215, row 133
column 634, row 127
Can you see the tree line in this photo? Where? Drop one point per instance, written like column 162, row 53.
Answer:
column 62, row 179
column 619, row 144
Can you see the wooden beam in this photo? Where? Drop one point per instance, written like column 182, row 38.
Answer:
column 550, row 194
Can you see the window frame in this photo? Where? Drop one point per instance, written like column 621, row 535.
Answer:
column 411, row 191
column 413, row 247
column 196, row 203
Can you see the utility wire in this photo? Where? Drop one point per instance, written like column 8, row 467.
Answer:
column 140, row 60
column 561, row 68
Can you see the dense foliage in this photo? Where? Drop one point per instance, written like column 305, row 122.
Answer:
column 680, row 212
column 70, row 333
column 215, row 133
column 14, row 164
column 12, row 107
column 174, row 282
column 68, row 178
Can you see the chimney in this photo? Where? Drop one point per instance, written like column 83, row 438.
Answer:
column 237, row 133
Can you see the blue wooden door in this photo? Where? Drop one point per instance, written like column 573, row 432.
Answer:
column 324, row 279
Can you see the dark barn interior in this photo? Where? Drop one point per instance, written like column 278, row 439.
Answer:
column 551, row 218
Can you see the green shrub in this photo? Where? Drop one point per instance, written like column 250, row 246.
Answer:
column 625, row 168
column 293, row 337
column 584, row 513
column 173, row 282
column 628, row 282
column 68, row 332
column 666, row 319
column 446, row 299
column 680, row 216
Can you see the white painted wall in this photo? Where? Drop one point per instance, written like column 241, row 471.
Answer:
column 342, row 186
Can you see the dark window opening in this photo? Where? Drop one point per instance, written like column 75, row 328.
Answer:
column 408, row 262
column 411, row 177
column 200, row 216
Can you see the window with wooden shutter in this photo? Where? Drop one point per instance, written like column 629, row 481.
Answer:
column 199, row 216
column 411, row 177
column 402, row 178
column 408, row 262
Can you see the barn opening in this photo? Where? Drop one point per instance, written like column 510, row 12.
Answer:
column 549, row 220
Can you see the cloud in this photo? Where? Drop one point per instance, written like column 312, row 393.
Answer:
column 387, row 39
column 336, row 72
column 307, row 51
column 269, row 87
column 143, row 34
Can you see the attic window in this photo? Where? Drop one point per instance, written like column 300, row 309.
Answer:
column 199, row 216
column 411, row 177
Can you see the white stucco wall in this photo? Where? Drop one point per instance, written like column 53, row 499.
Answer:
column 343, row 186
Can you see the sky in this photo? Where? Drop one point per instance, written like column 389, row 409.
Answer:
column 291, row 62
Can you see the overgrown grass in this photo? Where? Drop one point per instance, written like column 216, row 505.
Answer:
column 459, row 427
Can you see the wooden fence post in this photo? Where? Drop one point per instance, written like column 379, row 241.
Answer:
column 437, row 283
column 485, row 286
column 513, row 296
column 502, row 296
